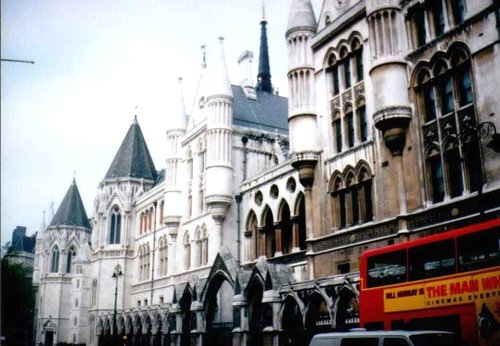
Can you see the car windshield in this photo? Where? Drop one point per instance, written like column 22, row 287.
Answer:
column 435, row 339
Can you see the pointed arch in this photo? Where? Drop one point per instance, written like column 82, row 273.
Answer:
column 318, row 314
column 365, row 179
column 299, row 223
column 254, row 293
column 291, row 320
column 115, row 225
column 54, row 259
column 251, row 237
column 188, row 317
column 187, row 250
column 70, row 256
column 268, row 243
column 336, row 187
column 284, row 232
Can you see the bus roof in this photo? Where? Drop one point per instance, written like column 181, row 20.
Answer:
column 374, row 333
column 431, row 238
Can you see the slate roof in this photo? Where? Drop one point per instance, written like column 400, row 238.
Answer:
column 269, row 112
column 133, row 159
column 24, row 243
column 71, row 212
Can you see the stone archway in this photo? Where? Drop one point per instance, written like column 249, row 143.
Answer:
column 256, row 318
column 292, row 324
column 219, row 311
column 318, row 316
column 185, row 305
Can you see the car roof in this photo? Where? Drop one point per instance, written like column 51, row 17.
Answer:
column 379, row 333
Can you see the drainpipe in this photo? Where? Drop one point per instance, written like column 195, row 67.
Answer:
column 153, row 254
column 244, row 140
column 238, row 199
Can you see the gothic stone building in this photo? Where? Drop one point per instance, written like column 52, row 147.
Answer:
column 252, row 233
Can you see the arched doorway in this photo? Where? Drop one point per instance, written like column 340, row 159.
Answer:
column 254, row 293
column 292, row 324
column 318, row 316
column 185, row 304
column 219, row 312
column 146, row 332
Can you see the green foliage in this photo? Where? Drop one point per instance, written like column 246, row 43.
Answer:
column 18, row 301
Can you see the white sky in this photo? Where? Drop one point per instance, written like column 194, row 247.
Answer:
column 95, row 61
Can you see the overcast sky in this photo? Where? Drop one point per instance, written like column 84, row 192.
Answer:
column 95, row 61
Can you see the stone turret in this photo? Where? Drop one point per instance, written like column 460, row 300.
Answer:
column 304, row 152
column 389, row 77
column 219, row 171
column 176, row 128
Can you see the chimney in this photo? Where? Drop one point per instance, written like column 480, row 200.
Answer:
column 245, row 64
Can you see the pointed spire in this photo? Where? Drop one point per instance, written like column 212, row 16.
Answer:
column 264, row 74
column 43, row 227
column 301, row 16
column 219, row 77
column 133, row 159
column 178, row 120
column 51, row 211
column 204, row 61
column 71, row 212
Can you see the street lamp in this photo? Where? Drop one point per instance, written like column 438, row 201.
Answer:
column 470, row 135
column 116, row 274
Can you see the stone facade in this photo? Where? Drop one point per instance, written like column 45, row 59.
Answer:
column 253, row 234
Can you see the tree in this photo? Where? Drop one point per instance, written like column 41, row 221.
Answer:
column 18, row 301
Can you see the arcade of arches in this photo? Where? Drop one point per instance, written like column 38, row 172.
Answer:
column 260, row 306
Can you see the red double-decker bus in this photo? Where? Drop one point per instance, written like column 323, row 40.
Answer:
column 448, row 281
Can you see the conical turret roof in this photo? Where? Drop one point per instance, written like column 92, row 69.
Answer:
column 301, row 16
column 71, row 212
column 219, row 77
column 133, row 159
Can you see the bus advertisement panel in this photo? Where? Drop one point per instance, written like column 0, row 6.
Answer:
column 449, row 281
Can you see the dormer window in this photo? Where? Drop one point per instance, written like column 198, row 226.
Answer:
column 115, row 226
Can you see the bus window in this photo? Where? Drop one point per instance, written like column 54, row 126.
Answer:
column 432, row 260
column 395, row 342
column 479, row 250
column 359, row 341
column 387, row 269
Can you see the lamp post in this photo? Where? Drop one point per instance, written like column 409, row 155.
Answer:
column 116, row 274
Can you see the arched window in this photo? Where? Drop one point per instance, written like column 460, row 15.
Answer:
column 163, row 256
column 148, row 263
column 362, row 121
column 187, row 251
column 115, row 226
column 349, row 121
column 337, row 193
column 204, row 245
column 93, row 293
column 352, row 207
column 69, row 259
column 286, row 228
column 251, row 238
column 447, row 109
column 365, row 194
column 270, row 244
column 54, row 260
column 197, row 248
column 189, row 162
